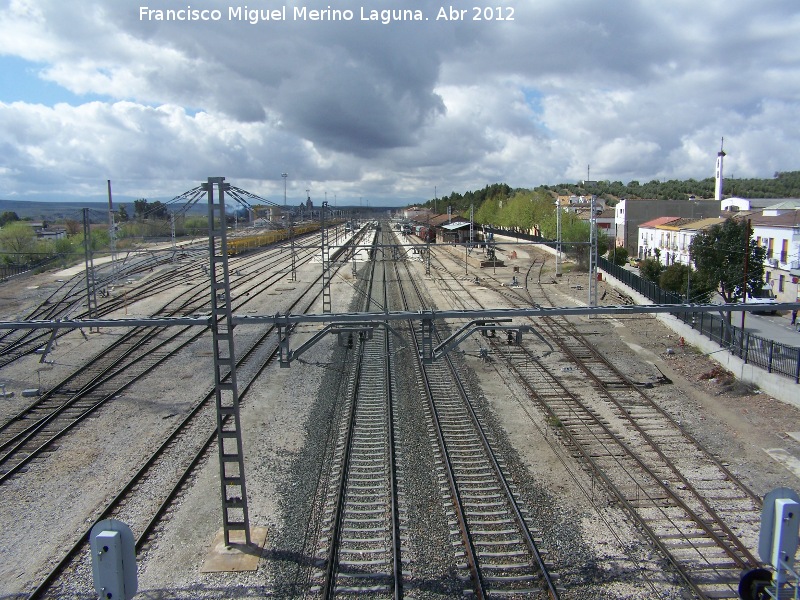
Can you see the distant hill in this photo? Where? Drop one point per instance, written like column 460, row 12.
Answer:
column 59, row 211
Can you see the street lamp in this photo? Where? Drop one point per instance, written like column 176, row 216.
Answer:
column 284, row 175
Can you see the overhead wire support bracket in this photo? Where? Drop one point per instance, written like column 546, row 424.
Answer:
column 488, row 329
column 346, row 332
column 445, row 315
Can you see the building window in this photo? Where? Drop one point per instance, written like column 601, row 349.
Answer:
column 780, row 282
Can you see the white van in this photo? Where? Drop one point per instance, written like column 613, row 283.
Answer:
column 765, row 297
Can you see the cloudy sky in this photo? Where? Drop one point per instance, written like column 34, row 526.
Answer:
column 92, row 90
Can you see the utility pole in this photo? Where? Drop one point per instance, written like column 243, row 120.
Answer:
column 326, row 276
column 284, row 175
column 746, row 261
column 229, row 431
column 558, row 238
column 91, row 288
column 593, row 255
column 471, row 223
column 172, row 234
column 689, row 276
column 112, row 236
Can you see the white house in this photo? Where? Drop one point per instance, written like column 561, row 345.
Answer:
column 651, row 239
column 669, row 238
column 630, row 215
column 779, row 234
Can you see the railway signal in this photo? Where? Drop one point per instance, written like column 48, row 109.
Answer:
column 777, row 545
column 113, row 560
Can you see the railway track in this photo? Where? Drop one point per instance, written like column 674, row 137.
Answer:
column 145, row 500
column 360, row 543
column 495, row 533
column 700, row 517
column 363, row 544
column 69, row 299
column 136, row 354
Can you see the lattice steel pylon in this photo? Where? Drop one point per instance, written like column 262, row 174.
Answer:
column 593, row 254
column 229, row 436
column 91, row 283
column 326, row 262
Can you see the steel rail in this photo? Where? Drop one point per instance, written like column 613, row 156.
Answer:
column 728, row 542
column 469, row 548
column 143, row 537
column 140, row 337
column 549, row 584
column 328, row 590
column 28, row 342
column 362, row 404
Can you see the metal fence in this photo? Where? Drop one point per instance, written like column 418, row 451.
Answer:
column 768, row 354
column 9, row 271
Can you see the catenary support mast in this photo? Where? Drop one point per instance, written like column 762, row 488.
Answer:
column 229, row 433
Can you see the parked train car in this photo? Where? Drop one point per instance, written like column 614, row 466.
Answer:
column 426, row 234
column 248, row 243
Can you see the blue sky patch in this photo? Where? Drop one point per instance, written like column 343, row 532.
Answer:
column 20, row 82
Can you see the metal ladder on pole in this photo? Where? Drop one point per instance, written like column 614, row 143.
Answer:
column 326, row 263
column 91, row 283
column 229, row 434
column 593, row 255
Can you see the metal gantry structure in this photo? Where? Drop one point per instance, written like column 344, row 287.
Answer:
column 558, row 238
column 112, row 235
column 593, row 254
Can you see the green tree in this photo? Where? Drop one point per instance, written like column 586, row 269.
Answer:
column 158, row 210
column 18, row 242
column 719, row 255
column 140, row 208
column 651, row 269
column 122, row 213
column 488, row 212
column 618, row 255
column 673, row 278
column 8, row 217
column 63, row 249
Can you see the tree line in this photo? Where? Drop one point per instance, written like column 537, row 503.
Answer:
column 782, row 185
column 21, row 248
column 719, row 254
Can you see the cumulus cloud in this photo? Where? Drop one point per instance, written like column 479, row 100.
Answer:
column 362, row 109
